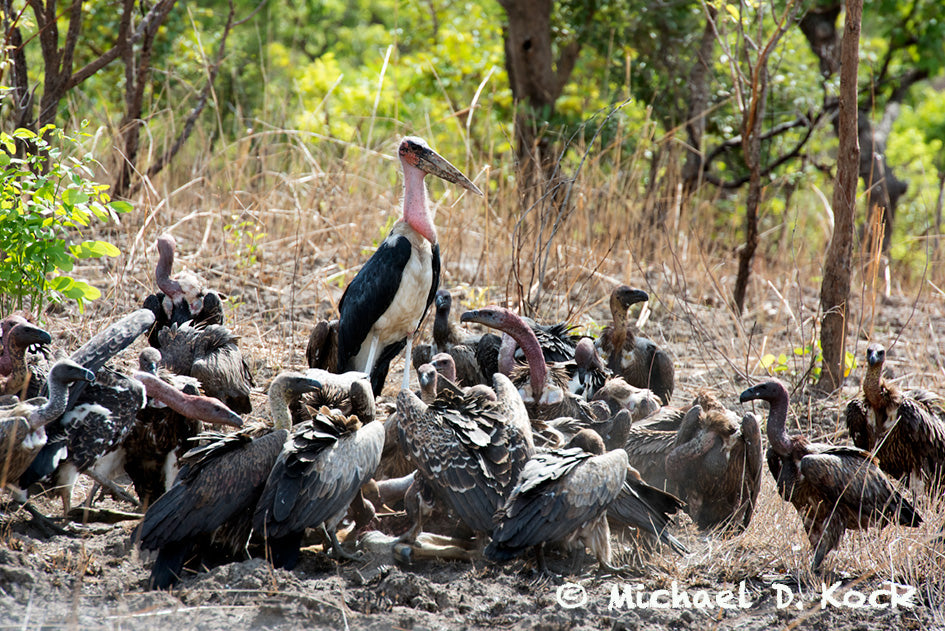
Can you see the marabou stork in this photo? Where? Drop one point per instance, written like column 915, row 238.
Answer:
column 384, row 305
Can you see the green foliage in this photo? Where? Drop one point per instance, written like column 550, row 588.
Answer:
column 808, row 360
column 382, row 234
column 47, row 200
column 245, row 237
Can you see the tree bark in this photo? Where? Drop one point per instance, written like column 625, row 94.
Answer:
column 698, row 103
column 883, row 187
column 835, row 287
column 751, row 147
column 19, row 78
column 536, row 81
column 136, row 75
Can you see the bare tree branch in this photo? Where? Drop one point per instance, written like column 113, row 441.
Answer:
column 157, row 13
column 198, row 108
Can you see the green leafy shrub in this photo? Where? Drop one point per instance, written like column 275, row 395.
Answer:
column 810, row 360
column 47, row 199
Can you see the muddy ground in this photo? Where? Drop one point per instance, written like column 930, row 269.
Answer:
column 95, row 578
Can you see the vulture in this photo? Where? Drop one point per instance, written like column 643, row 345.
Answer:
column 183, row 298
column 22, row 424
column 563, row 495
column 321, row 469
column 213, row 499
column 211, row 356
column 592, row 374
column 451, row 339
column 597, row 383
column 18, row 336
column 638, row 360
column 385, row 303
column 469, row 449
column 832, row 488
column 543, row 388
column 162, row 431
column 715, row 463
column 904, row 430
column 97, row 417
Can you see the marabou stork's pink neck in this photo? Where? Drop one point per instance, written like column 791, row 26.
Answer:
column 416, row 213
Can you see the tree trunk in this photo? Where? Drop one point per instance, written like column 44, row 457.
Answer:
column 698, row 103
column 751, row 147
column 22, row 96
column 536, row 83
column 885, row 189
column 835, row 287
column 137, row 73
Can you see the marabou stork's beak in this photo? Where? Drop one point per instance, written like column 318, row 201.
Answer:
column 419, row 154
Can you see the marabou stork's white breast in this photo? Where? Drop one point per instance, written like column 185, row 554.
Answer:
column 403, row 315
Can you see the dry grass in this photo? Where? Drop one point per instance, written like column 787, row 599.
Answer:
column 316, row 217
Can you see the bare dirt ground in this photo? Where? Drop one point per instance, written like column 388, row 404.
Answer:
column 94, row 577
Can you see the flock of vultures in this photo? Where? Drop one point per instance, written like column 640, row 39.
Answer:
column 522, row 436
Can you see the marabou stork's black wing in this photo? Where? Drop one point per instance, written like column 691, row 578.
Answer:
column 218, row 481
column 369, row 295
column 558, row 492
column 435, row 284
column 857, row 413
